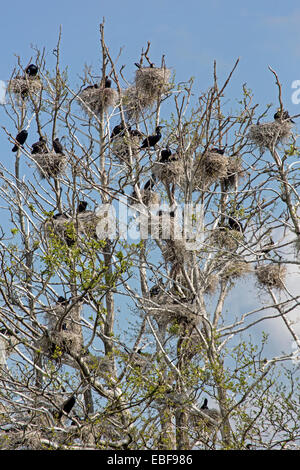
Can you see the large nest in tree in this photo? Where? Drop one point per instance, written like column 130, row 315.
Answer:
column 168, row 311
column 269, row 134
column 135, row 103
column 226, row 239
column 175, row 252
column 271, row 275
column 64, row 334
column 50, row 164
column 152, row 81
column 124, row 146
column 170, row 172
column 68, row 228
column 205, row 423
column 97, row 100
column 24, row 86
column 235, row 269
column 209, row 168
column 149, row 198
column 234, row 171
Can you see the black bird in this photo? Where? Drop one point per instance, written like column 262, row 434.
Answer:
column 39, row 147
column 62, row 300
column 283, row 116
column 6, row 332
column 152, row 140
column 155, row 290
column 67, row 406
column 235, row 224
column 32, row 70
column 204, row 406
column 219, row 151
column 117, row 130
column 165, row 155
column 82, row 207
column 58, row 148
column 91, row 87
column 21, row 138
column 134, row 132
column 107, row 83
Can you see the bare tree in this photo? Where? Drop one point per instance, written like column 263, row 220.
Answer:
column 133, row 212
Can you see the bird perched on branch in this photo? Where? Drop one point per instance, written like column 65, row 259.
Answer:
column 39, row 147
column 91, row 87
column 58, row 148
column 152, row 140
column 31, row 70
column 21, row 138
column 234, row 224
column 283, row 116
column 62, row 300
column 220, row 151
column 117, row 130
column 204, row 406
column 81, row 207
column 165, row 155
column 107, row 83
column 67, row 407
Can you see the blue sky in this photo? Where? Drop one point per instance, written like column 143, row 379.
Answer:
column 192, row 34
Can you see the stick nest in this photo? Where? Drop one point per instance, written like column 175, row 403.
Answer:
column 176, row 312
column 25, row 86
column 135, row 103
column 269, row 134
column 170, row 172
column 226, row 238
column 235, row 269
column 210, row 168
column 271, row 275
column 51, row 164
column 152, row 81
column 149, row 198
column 64, row 331
column 122, row 147
column 68, row 228
column 97, row 100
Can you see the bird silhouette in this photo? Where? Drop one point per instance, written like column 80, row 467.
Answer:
column 165, row 155
column 67, row 406
column 220, row 151
column 31, row 70
column 204, row 406
column 62, row 300
column 82, row 207
column 91, row 87
column 107, row 83
column 283, row 116
column 152, row 140
column 234, row 224
column 39, row 147
column 21, row 138
column 117, row 130
column 58, row 148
